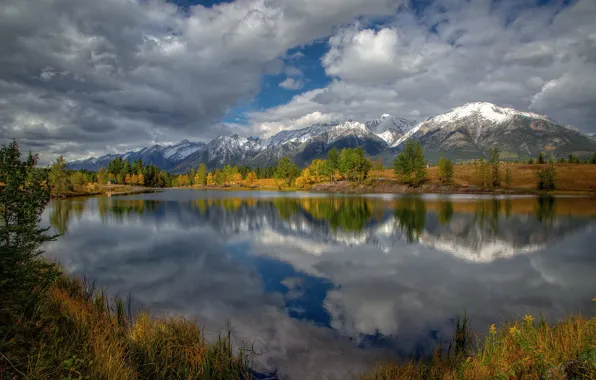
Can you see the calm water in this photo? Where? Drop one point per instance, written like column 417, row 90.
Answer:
column 327, row 285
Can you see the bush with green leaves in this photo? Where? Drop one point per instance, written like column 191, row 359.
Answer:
column 353, row 165
column 409, row 165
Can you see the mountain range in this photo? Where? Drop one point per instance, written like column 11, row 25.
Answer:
column 465, row 132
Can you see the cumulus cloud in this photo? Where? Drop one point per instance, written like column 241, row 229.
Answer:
column 85, row 76
column 291, row 84
column 514, row 54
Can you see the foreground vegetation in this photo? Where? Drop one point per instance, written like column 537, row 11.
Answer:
column 53, row 326
column 56, row 327
column 523, row 349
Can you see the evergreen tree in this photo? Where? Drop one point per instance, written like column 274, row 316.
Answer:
column 573, row 159
column 409, row 166
column 116, row 165
column 540, row 159
column 546, row 178
column 593, row 160
column 495, row 164
column 286, row 171
column 24, row 194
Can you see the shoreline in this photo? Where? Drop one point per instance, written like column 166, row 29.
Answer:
column 345, row 187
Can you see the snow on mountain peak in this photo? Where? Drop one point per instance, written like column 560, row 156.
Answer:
column 385, row 116
column 487, row 111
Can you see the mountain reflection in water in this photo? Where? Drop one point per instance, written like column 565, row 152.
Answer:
column 328, row 285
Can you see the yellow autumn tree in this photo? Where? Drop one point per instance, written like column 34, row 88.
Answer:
column 140, row 179
column 134, row 179
column 304, row 180
column 210, row 180
column 251, row 179
column 127, row 179
column 237, row 178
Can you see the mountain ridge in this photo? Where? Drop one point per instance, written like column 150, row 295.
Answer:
column 464, row 132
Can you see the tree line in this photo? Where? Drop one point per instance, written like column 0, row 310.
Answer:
column 350, row 164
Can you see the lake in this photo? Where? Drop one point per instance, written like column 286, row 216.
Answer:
column 328, row 285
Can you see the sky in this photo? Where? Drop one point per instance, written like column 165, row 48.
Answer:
column 84, row 78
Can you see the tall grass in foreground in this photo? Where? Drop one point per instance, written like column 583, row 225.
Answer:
column 77, row 333
column 522, row 349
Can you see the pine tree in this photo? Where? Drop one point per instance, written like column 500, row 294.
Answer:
column 540, row 158
column 546, row 178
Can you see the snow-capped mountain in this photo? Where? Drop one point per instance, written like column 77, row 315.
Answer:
column 471, row 130
column 165, row 157
column 302, row 145
column 465, row 132
column 390, row 128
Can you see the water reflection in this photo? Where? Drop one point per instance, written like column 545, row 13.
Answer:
column 325, row 285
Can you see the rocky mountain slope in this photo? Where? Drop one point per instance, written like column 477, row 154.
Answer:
column 465, row 132
column 471, row 130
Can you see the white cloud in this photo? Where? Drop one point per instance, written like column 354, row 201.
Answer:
column 132, row 70
column 291, row 84
column 539, row 58
column 88, row 75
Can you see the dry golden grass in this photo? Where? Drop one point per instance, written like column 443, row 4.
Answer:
column 76, row 333
column 524, row 349
column 569, row 177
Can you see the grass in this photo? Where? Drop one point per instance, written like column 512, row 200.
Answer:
column 75, row 332
column 569, row 177
column 522, row 349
